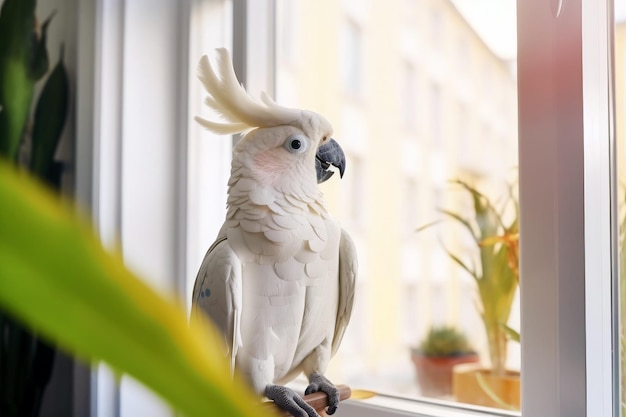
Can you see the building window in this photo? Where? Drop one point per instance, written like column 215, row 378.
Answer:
column 436, row 25
column 351, row 58
column 409, row 94
column 435, row 104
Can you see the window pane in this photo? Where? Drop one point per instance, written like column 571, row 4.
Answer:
column 422, row 96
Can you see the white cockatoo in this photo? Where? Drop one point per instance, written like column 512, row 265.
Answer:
column 279, row 280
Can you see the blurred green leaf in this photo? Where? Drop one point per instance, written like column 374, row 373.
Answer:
column 23, row 60
column 459, row 262
column 39, row 63
column 466, row 223
column 511, row 333
column 56, row 277
column 427, row 226
column 49, row 120
column 441, row 341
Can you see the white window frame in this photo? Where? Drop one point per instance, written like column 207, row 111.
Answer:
column 131, row 154
column 137, row 170
column 567, row 227
column 566, row 169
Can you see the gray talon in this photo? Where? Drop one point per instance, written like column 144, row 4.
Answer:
column 290, row 401
column 318, row 382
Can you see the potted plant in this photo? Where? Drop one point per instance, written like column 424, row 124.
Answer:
column 494, row 229
column 436, row 355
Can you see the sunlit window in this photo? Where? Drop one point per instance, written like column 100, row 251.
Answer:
column 435, row 104
column 436, row 114
column 422, row 95
column 409, row 99
column 351, row 57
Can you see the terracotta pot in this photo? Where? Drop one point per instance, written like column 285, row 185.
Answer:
column 499, row 391
column 434, row 373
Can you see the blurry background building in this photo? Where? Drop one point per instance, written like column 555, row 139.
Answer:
column 417, row 99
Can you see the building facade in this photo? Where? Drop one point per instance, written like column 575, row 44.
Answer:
column 417, row 99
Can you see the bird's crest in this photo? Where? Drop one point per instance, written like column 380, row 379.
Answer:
column 229, row 99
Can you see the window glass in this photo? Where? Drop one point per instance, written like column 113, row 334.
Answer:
column 422, row 96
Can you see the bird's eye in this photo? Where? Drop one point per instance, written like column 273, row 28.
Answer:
column 296, row 144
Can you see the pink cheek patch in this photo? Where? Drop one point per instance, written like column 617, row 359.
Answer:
column 270, row 164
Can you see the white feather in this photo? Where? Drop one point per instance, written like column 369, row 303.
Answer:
column 227, row 97
column 220, row 274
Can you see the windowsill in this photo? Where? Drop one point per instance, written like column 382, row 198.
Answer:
column 385, row 405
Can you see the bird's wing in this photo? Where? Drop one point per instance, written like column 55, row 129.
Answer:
column 217, row 293
column 347, row 278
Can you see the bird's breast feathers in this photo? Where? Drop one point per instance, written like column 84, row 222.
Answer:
column 268, row 224
column 289, row 248
column 283, row 231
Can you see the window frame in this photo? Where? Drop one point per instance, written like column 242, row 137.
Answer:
column 566, row 148
column 568, row 230
column 132, row 115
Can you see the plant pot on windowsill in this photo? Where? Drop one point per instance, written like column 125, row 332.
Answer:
column 434, row 373
column 475, row 384
column 493, row 263
column 442, row 349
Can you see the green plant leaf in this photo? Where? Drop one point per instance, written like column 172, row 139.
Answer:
column 513, row 334
column 21, row 63
column 427, row 226
column 466, row 223
column 38, row 54
column 56, row 277
column 441, row 341
column 462, row 264
column 49, row 120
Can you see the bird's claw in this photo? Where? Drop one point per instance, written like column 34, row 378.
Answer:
column 290, row 401
column 318, row 382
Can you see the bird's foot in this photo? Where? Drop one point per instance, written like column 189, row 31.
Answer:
column 318, row 382
column 290, row 401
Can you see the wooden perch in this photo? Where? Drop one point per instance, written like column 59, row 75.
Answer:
column 317, row 400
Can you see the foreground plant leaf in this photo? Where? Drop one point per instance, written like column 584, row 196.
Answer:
column 56, row 277
column 23, row 61
column 49, row 119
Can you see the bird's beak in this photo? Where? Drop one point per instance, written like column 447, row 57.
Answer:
column 329, row 154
